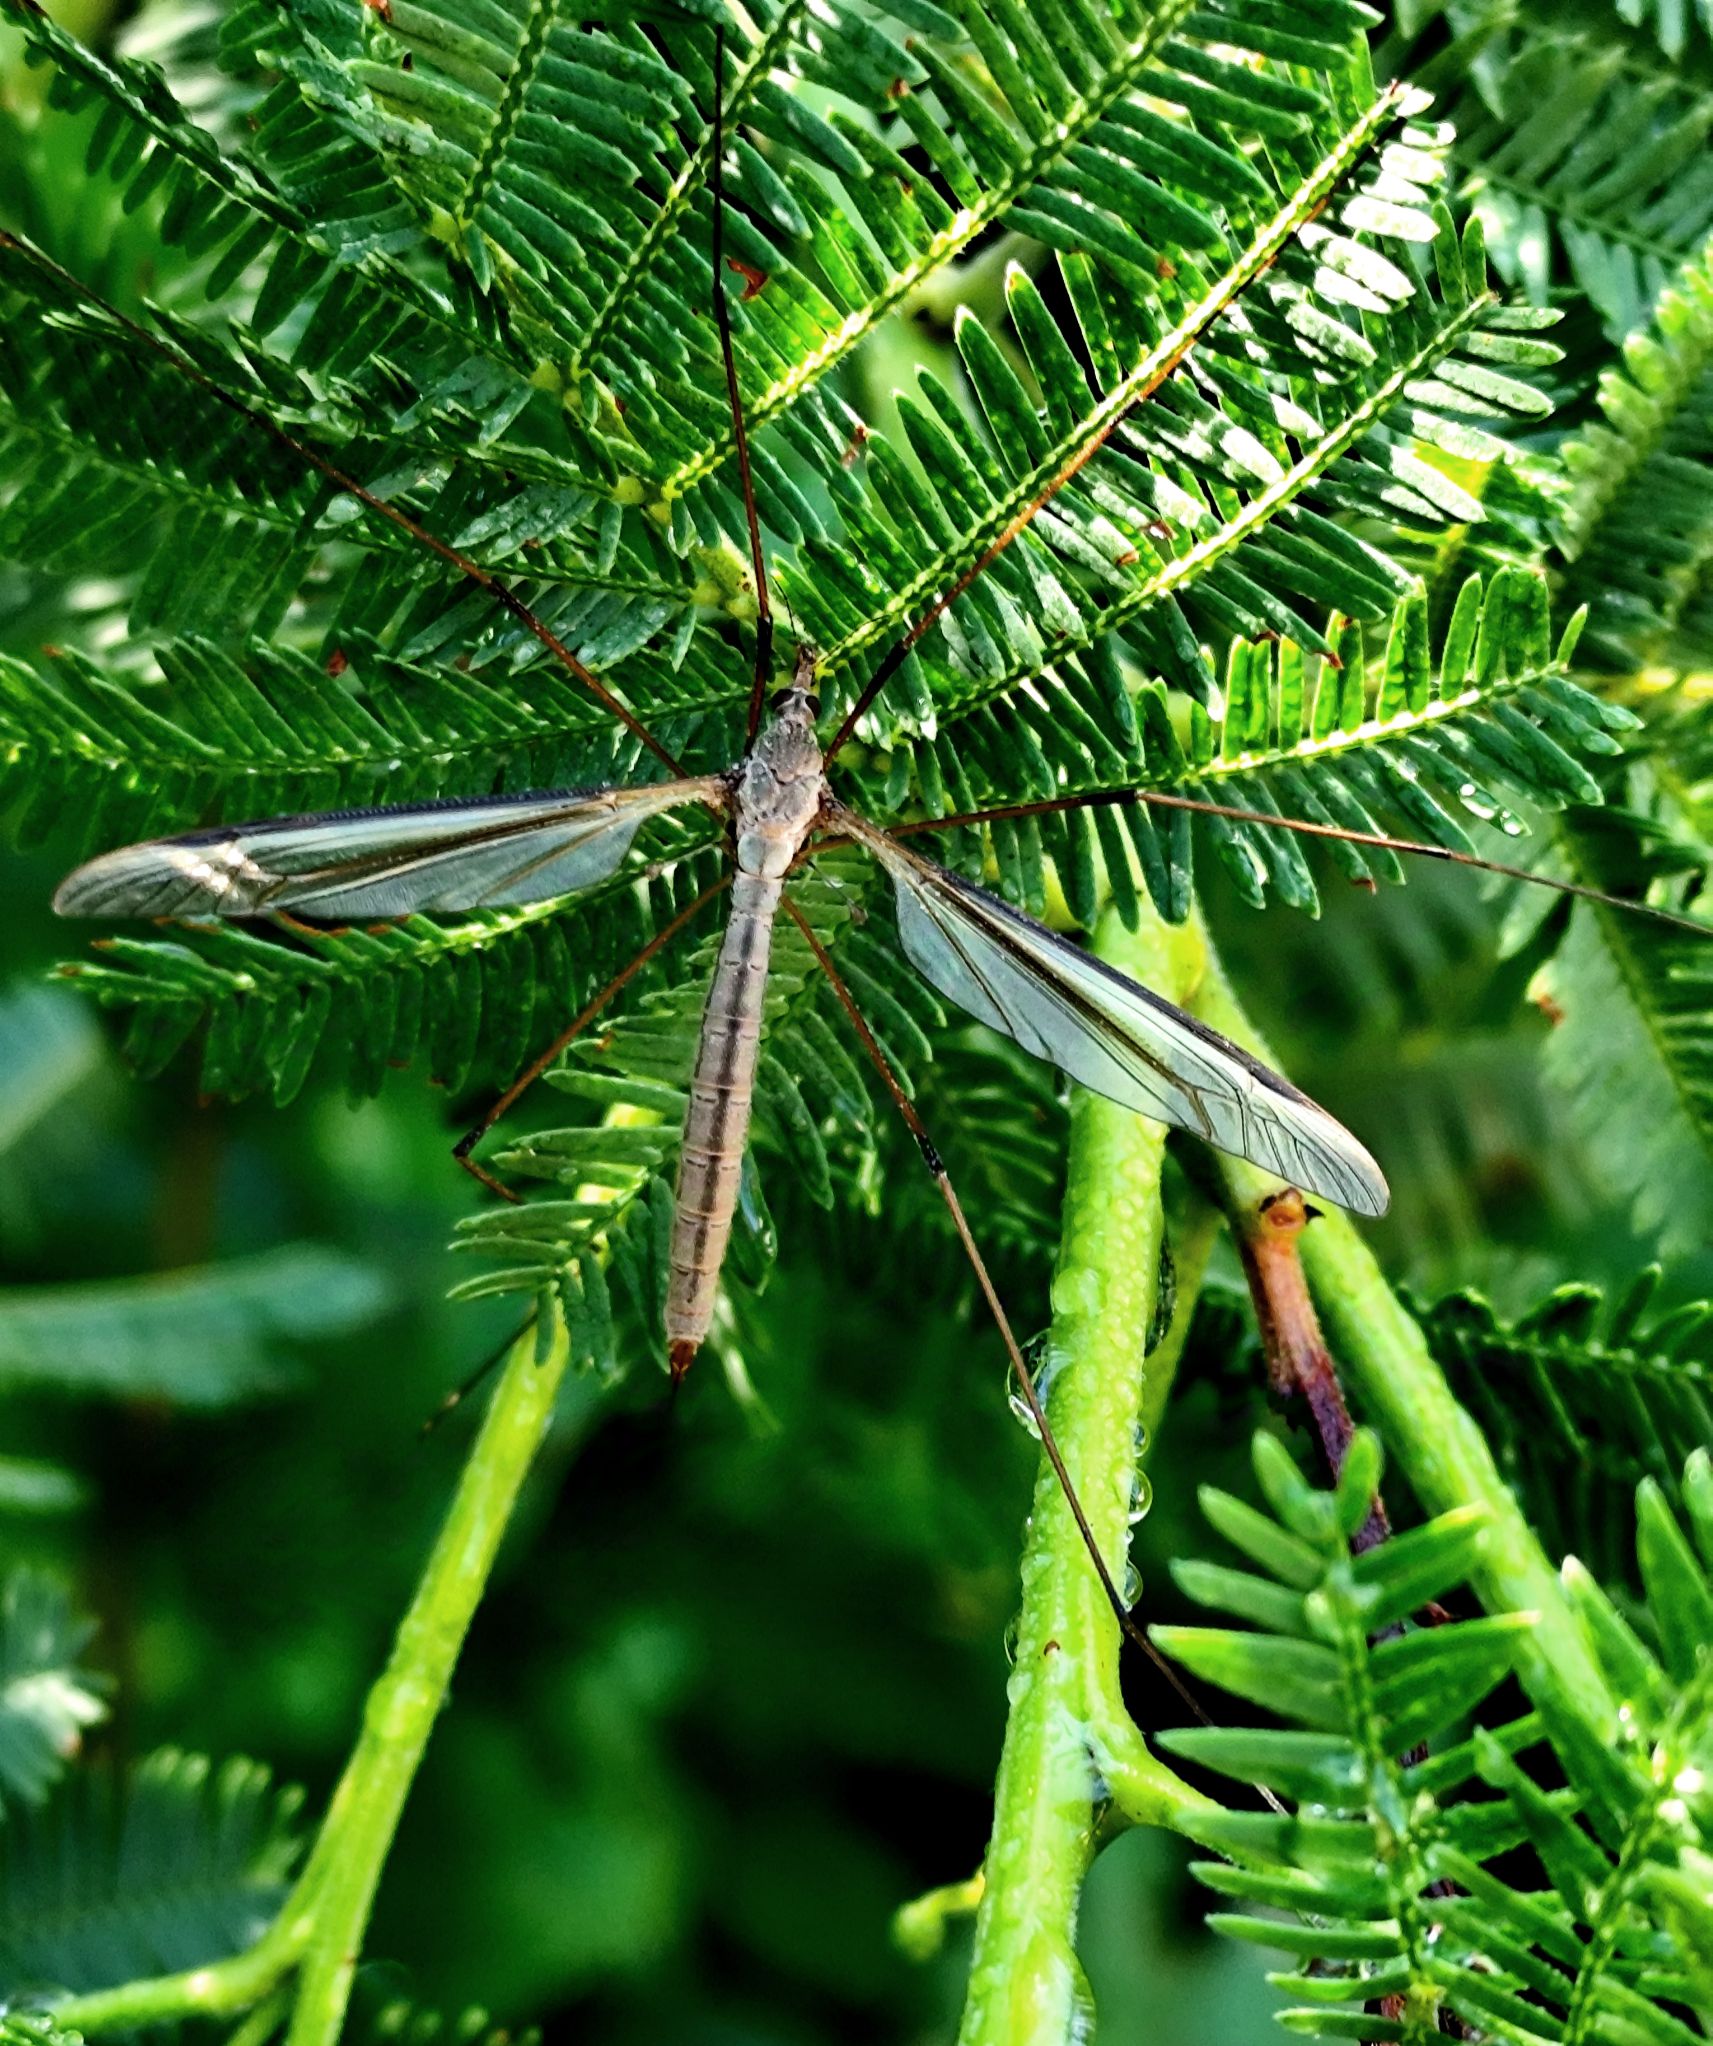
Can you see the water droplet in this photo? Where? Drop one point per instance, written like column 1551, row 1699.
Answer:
column 1141, row 1496
column 1045, row 1364
column 1011, row 1630
column 1131, row 1589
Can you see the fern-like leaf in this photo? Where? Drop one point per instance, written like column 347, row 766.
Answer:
column 1631, row 1047
column 183, row 1862
column 1637, row 526
column 1584, row 150
column 210, row 1336
column 47, row 1697
column 1398, row 739
column 1581, row 1397
column 1389, row 1876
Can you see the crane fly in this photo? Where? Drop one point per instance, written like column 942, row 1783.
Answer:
column 780, row 806
column 992, row 960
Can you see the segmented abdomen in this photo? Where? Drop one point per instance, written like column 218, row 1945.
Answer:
column 716, row 1125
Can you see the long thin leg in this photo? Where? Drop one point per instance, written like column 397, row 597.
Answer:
column 723, row 320
column 484, row 578
column 585, row 1016
column 1304, row 827
column 1025, row 1377
column 894, row 659
column 468, row 1384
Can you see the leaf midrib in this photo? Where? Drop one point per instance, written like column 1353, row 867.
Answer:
column 963, row 228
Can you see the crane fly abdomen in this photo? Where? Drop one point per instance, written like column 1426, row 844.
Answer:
column 777, row 797
column 716, row 1125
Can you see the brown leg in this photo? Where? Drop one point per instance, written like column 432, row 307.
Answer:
column 585, row 1016
column 1025, row 1378
column 723, row 320
column 1304, row 827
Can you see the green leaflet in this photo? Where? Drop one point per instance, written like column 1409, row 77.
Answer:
column 47, row 1697
column 208, row 1336
column 181, row 1862
column 1379, row 1821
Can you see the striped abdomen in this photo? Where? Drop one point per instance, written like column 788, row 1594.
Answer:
column 716, row 1126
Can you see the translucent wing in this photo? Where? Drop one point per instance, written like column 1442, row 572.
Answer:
column 1110, row 1033
column 381, row 863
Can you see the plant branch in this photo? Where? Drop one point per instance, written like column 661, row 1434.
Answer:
column 221, row 1989
column 1069, row 1744
column 345, row 1868
column 1436, row 1444
column 1300, row 1367
column 320, row 1928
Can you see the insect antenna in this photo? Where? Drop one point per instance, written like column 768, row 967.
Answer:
column 1022, row 519
column 936, row 1166
column 467, row 1143
column 306, row 451
column 723, row 320
column 898, row 653
column 1304, row 827
column 1191, row 333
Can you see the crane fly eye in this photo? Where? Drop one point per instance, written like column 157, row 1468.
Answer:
column 813, row 698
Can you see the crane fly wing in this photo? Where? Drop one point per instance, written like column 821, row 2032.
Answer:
column 381, row 863
column 1109, row 1032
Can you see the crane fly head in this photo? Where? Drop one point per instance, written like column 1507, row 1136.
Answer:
column 799, row 700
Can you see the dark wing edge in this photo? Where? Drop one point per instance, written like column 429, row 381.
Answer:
column 1112, row 1034
column 444, row 856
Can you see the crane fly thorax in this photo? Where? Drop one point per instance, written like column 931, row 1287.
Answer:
column 780, row 789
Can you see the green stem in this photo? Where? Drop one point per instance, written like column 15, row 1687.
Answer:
column 322, row 1922
column 1069, row 1745
column 358, row 1830
column 259, row 2025
column 1441, row 1449
column 221, row 1989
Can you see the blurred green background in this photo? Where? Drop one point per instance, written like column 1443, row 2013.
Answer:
column 739, row 1690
